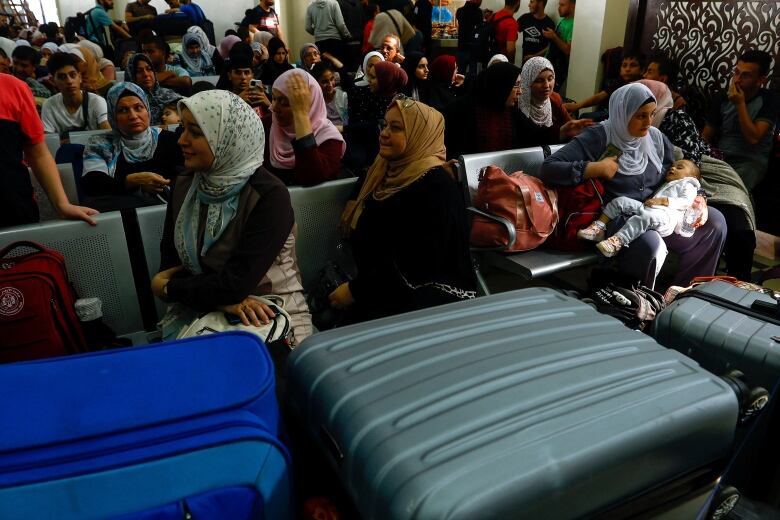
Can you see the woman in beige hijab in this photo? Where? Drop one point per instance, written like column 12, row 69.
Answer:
column 408, row 225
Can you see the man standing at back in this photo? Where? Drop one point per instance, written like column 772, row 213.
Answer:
column 469, row 20
column 325, row 22
column 505, row 29
column 560, row 41
column 531, row 25
column 97, row 19
column 264, row 17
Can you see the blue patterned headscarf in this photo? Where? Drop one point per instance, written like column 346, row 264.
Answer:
column 201, row 64
column 102, row 151
column 159, row 96
column 237, row 140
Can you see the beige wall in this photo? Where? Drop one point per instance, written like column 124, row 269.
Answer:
column 292, row 24
column 598, row 26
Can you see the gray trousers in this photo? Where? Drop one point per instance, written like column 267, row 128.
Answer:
column 640, row 218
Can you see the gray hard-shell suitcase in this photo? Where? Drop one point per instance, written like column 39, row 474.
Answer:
column 715, row 325
column 526, row 404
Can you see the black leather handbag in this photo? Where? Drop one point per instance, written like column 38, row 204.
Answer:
column 323, row 316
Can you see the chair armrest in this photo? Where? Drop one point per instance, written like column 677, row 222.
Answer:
column 510, row 229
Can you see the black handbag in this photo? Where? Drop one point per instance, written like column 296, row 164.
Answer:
column 323, row 316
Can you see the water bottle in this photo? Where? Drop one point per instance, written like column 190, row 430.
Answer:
column 687, row 226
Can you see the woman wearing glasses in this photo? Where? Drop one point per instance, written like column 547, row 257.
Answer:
column 305, row 148
column 487, row 119
column 408, row 224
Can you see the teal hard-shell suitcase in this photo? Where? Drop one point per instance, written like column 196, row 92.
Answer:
column 526, row 404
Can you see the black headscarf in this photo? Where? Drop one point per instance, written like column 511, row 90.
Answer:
column 271, row 69
column 494, row 85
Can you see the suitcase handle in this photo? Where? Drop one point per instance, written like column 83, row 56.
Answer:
column 22, row 243
column 769, row 309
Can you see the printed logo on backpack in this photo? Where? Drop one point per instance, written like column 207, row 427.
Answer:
column 11, row 301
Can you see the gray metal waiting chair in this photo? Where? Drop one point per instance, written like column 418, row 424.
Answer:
column 317, row 213
column 537, row 263
column 97, row 260
column 83, row 136
column 151, row 221
column 45, row 207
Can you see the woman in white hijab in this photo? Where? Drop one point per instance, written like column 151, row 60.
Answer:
column 542, row 119
column 230, row 229
column 630, row 157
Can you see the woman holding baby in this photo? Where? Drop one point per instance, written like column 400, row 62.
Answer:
column 632, row 158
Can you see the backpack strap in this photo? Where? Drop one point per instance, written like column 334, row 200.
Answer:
column 85, row 109
column 398, row 29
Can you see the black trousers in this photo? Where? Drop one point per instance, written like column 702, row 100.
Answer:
column 740, row 241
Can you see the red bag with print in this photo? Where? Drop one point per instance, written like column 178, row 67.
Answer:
column 37, row 315
column 578, row 206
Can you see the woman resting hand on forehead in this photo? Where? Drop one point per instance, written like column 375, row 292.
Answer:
column 230, row 229
column 135, row 163
column 631, row 157
column 304, row 146
column 408, row 225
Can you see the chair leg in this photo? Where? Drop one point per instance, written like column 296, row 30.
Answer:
column 482, row 288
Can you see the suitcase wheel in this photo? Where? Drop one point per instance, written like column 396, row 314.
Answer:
column 756, row 401
column 723, row 503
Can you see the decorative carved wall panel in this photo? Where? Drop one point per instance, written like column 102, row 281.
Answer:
column 705, row 38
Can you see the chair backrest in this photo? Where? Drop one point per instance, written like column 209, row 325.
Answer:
column 211, row 79
column 45, row 207
column 83, row 136
column 526, row 159
column 120, row 76
column 317, row 213
column 52, row 143
column 97, row 260
column 150, row 221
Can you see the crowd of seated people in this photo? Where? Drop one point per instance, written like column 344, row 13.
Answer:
column 392, row 119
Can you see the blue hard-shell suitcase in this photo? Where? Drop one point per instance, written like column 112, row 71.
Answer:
column 188, row 426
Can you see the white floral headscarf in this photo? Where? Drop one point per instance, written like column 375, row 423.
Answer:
column 237, row 140
column 539, row 113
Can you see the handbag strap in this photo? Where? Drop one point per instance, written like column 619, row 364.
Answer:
column 398, row 29
column 534, row 212
column 22, row 243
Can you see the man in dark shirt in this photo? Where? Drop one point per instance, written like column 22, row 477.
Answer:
column 531, row 25
column 264, row 18
column 139, row 15
column 469, row 20
column 742, row 121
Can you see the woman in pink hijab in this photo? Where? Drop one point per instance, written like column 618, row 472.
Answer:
column 304, row 147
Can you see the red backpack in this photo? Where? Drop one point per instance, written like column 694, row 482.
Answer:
column 578, row 206
column 37, row 315
column 521, row 199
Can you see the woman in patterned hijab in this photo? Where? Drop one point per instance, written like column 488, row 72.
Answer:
column 229, row 232
column 133, row 163
column 141, row 72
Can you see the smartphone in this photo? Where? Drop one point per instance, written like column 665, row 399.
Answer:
column 232, row 319
column 255, row 83
column 611, row 151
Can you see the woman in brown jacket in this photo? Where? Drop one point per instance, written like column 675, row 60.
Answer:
column 230, row 230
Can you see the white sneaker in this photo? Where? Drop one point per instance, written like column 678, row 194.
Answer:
column 595, row 232
column 610, row 247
